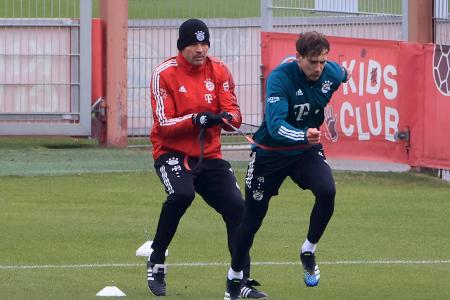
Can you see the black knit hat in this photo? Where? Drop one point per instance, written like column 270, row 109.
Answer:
column 192, row 31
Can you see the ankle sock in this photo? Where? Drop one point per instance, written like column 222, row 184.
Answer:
column 233, row 274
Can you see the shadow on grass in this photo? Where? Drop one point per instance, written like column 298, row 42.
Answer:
column 53, row 156
column 26, row 142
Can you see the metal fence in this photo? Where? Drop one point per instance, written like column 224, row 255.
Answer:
column 235, row 39
column 441, row 22
column 45, row 67
column 45, row 48
column 350, row 18
column 39, row 9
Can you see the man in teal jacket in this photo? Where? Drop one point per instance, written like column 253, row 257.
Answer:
column 288, row 144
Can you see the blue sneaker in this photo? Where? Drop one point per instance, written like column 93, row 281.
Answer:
column 311, row 272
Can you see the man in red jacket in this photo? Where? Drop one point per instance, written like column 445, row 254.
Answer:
column 191, row 95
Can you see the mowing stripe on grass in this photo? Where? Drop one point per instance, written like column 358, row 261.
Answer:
column 212, row 264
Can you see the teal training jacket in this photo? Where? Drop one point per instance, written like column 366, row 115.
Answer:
column 294, row 104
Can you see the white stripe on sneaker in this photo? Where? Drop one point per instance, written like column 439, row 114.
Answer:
column 245, row 291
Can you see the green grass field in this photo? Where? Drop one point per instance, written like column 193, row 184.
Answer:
column 67, row 237
column 72, row 215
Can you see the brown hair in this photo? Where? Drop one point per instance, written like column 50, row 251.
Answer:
column 312, row 43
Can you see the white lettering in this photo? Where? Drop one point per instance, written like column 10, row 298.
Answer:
column 346, row 108
column 374, row 130
column 391, row 123
column 273, row 99
column 371, row 79
column 303, row 110
column 208, row 98
column 361, row 79
column 350, row 82
column 351, row 118
column 390, row 95
column 362, row 136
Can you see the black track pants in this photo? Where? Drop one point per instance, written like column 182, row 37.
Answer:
column 217, row 185
column 265, row 175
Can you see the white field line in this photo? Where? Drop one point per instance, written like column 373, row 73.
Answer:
column 213, row 264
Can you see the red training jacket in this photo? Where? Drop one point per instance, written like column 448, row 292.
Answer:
column 178, row 90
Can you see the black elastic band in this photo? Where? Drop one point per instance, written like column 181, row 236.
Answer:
column 201, row 139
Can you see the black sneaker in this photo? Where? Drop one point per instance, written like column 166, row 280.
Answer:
column 156, row 278
column 233, row 290
column 311, row 272
column 248, row 290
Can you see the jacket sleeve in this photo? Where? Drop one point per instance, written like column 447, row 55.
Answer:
column 276, row 112
column 227, row 97
column 165, row 116
column 338, row 74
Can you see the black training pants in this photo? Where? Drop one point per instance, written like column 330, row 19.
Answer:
column 217, row 185
column 265, row 175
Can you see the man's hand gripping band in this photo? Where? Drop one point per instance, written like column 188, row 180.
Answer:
column 225, row 119
column 205, row 120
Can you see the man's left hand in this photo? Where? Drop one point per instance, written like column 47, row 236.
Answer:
column 313, row 136
column 226, row 116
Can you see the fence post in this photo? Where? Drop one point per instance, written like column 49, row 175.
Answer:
column 85, row 63
column 114, row 14
column 266, row 15
column 405, row 18
column 420, row 21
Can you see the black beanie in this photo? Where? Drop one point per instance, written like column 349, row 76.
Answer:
column 192, row 31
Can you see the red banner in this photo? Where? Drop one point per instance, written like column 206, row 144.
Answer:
column 391, row 92
column 435, row 109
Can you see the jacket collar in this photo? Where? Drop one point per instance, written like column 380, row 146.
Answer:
column 185, row 65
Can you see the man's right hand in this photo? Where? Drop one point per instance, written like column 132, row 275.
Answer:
column 206, row 119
